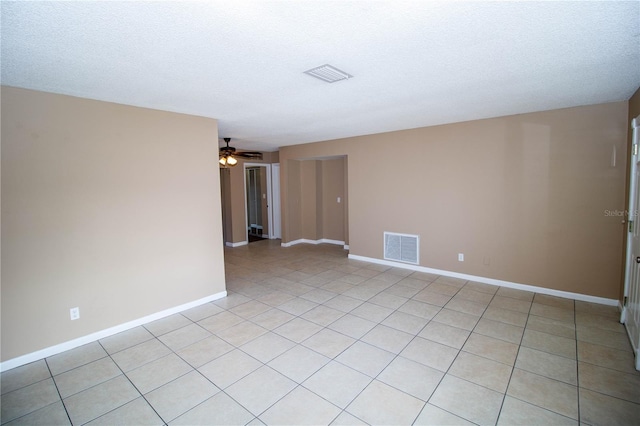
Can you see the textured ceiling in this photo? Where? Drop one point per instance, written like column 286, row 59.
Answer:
column 414, row 63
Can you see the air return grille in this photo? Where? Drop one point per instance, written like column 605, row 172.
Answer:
column 328, row 73
column 401, row 247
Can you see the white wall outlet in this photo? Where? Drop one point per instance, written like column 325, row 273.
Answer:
column 460, row 257
column 74, row 313
column 338, row 200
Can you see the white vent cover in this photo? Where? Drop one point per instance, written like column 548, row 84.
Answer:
column 401, row 247
column 328, row 73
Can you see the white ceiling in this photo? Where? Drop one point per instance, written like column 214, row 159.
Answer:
column 414, row 63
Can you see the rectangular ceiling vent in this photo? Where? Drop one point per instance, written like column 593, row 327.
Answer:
column 328, row 73
column 401, row 247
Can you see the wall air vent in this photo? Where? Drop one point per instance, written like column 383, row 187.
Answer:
column 328, row 73
column 401, row 247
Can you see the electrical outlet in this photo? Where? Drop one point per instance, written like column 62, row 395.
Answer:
column 460, row 257
column 74, row 313
column 338, row 199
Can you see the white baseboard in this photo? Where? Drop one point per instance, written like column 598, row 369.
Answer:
column 492, row 281
column 238, row 244
column 320, row 241
column 71, row 344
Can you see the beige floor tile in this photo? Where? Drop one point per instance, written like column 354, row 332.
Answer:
column 558, row 302
column 552, row 312
column 518, row 305
column 229, row 368
column 101, row 399
column 317, row 411
column 352, row 279
column 241, row 333
column 468, row 293
column 222, row 321
column 365, row 358
column 183, row 337
column 589, row 320
column 249, row 391
column 597, row 309
column 297, row 306
column 181, row 395
column 388, row 300
column 167, row 324
column 604, row 337
column 250, row 309
column 202, row 311
column 405, row 322
column 456, row 282
column 516, row 412
column 362, row 292
column 319, row 295
column 343, row 303
column 599, row 409
column 73, row 358
column 424, row 276
column 457, row 319
column 24, row 375
column 299, row 363
column 488, row 347
column 466, row 306
column 272, row 318
column 548, row 365
column 518, row 319
column 28, row 399
column 352, row 326
column 381, row 404
column 86, row 376
column 499, row 330
column 402, row 291
column 337, row 383
column 140, row 354
column 204, row 351
column 322, row 315
column 434, row 416
column 328, row 342
column 430, row 353
column 603, row 356
column 515, row 294
column 445, row 334
column 481, row 371
column 432, row 297
column 468, row 400
column 553, row 395
column 481, row 287
column 419, row 309
column 275, row 298
column 551, row 326
column 443, row 288
column 387, row 338
column 220, row 409
column 338, row 287
column 53, row 414
column 372, row 312
column 157, row 373
column 298, row 329
column 610, row 382
column 346, row 419
column 125, row 339
column 136, row 412
column 549, row 343
column 267, row 347
column 411, row 377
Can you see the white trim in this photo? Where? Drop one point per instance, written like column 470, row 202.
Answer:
column 491, row 281
column 238, row 244
column 71, row 344
column 315, row 242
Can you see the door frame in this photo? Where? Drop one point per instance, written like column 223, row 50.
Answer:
column 276, row 230
column 630, row 216
column 269, row 200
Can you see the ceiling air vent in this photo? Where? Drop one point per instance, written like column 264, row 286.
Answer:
column 401, row 247
column 328, row 73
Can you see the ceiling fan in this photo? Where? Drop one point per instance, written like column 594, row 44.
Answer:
column 229, row 155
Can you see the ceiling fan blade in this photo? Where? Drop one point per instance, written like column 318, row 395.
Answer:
column 255, row 155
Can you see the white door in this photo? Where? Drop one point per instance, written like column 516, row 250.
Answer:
column 275, row 201
column 631, row 309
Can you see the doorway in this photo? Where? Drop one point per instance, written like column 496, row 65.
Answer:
column 258, row 211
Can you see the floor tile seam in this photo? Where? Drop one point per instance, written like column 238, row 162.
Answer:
column 2, row 422
column 637, row 404
column 170, row 331
column 547, row 409
column 525, row 345
column 64, row 406
column 635, row 373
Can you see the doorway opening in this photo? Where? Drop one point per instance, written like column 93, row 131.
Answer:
column 258, row 215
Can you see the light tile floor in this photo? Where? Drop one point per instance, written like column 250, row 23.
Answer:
column 307, row 336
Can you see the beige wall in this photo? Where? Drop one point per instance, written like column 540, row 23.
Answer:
column 333, row 213
column 110, row 208
column 523, row 197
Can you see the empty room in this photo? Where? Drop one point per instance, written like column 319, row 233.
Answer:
column 320, row 212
